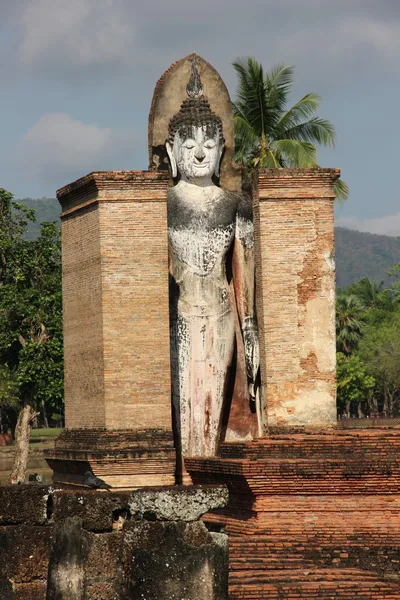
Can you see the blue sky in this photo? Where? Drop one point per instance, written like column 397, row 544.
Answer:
column 77, row 78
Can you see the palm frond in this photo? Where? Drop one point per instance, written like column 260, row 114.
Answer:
column 316, row 130
column 303, row 109
column 296, row 153
column 341, row 190
column 246, row 138
column 270, row 160
column 251, row 93
column 278, row 82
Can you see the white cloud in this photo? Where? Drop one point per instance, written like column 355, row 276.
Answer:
column 77, row 36
column 381, row 36
column 59, row 147
column 388, row 225
column 74, row 32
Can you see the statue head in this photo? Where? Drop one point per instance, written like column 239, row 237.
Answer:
column 196, row 142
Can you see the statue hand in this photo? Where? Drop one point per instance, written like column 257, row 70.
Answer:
column 251, row 353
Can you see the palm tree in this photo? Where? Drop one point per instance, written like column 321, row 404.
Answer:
column 267, row 135
column 368, row 291
column 349, row 322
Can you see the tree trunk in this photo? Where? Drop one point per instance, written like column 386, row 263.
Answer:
column 22, row 433
column 347, row 408
column 44, row 412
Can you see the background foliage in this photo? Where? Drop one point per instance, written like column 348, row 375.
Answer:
column 31, row 348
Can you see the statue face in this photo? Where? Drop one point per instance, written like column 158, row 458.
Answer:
column 198, row 156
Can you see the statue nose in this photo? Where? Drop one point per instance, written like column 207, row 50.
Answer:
column 199, row 153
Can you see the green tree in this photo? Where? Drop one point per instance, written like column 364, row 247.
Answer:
column 350, row 317
column 380, row 351
column 369, row 292
column 8, row 394
column 267, row 134
column 30, row 319
column 395, row 288
column 354, row 385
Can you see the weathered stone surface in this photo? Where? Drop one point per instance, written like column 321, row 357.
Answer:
column 24, row 550
column 34, row 590
column 67, row 560
column 27, row 504
column 95, row 509
column 177, row 503
column 98, row 510
column 6, row 590
column 152, row 560
column 174, row 561
column 91, row 540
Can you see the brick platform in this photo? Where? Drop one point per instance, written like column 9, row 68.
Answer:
column 310, row 515
column 126, row 459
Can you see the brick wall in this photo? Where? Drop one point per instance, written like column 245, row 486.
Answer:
column 82, row 320
column 296, row 295
column 115, row 281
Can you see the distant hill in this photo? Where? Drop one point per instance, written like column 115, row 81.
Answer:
column 47, row 209
column 358, row 254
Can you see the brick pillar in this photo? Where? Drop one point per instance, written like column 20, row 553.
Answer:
column 296, row 296
column 116, row 330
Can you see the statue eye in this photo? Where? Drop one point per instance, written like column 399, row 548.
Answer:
column 188, row 146
column 210, row 145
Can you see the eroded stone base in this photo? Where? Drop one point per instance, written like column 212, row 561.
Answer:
column 90, row 545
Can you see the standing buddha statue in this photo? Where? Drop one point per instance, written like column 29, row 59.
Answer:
column 207, row 226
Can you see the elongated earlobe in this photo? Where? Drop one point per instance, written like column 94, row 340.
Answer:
column 219, row 162
column 171, row 159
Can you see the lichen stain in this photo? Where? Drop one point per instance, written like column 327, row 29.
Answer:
column 310, row 398
column 312, row 406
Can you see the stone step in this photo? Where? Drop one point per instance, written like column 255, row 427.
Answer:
column 240, row 561
column 275, row 553
column 366, row 444
column 333, row 584
column 297, row 476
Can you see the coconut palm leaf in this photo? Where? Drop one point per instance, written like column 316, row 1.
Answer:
column 247, row 137
column 251, row 94
column 267, row 135
column 303, row 109
column 296, row 152
column 341, row 190
column 316, row 130
column 278, row 82
column 350, row 322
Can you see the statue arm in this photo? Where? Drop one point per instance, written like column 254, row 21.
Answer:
column 244, row 283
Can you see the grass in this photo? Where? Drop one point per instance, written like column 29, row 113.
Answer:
column 41, row 433
column 41, row 439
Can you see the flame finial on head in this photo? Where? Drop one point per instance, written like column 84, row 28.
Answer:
column 194, row 88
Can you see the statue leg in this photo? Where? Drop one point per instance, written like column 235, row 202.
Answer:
column 202, row 349
column 180, row 348
column 215, row 340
